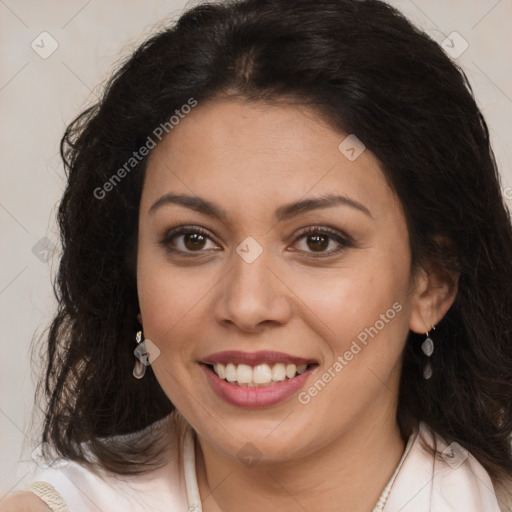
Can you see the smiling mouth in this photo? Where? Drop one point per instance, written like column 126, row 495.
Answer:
column 261, row 375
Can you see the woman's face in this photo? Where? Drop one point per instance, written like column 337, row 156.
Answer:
column 262, row 248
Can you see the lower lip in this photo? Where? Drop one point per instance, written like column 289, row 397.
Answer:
column 243, row 396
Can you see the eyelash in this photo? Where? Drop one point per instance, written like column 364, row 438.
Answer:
column 343, row 240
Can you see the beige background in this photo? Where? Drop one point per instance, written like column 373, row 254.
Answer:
column 38, row 97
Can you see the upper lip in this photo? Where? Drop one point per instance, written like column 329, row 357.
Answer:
column 254, row 358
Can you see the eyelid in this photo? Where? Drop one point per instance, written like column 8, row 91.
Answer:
column 182, row 229
column 335, row 232
column 337, row 235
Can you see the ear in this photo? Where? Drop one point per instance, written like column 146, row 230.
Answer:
column 139, row 318
column 434, row 291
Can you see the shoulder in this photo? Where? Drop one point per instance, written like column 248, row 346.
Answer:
column 23, row 502
column 86, row 488
column 441, row 476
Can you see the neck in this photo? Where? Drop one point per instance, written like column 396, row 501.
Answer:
column 348, row 474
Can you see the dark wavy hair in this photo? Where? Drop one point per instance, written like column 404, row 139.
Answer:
column 365, row 70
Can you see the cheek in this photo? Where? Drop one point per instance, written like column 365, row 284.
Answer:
column 163, row 297
column 361, row 314
column 344, row 303
column 172, row 303
column 165, row 303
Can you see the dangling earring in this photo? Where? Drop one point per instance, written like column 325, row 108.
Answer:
column 428, row 349
column 145, row 353
column 140, row 368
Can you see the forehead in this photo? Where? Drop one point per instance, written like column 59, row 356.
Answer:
column 250, row 153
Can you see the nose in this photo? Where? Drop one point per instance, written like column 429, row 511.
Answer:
column 253, row 297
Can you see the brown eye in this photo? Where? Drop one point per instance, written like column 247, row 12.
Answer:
column 188, row 239
column 322, row 242
column 317, row 242
column 194, row 241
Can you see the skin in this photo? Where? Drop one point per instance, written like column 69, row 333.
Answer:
column 23, row 502
column 338, row 451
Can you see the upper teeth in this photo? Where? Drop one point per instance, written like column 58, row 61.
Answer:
column 260, row 375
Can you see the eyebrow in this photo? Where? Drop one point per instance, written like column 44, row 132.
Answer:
column 282, row 213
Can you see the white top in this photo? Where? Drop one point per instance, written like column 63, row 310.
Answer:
column 421, row 483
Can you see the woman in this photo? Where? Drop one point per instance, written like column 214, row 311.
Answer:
column 286, row 273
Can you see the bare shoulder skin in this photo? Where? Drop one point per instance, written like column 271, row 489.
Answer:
column 23, row 502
